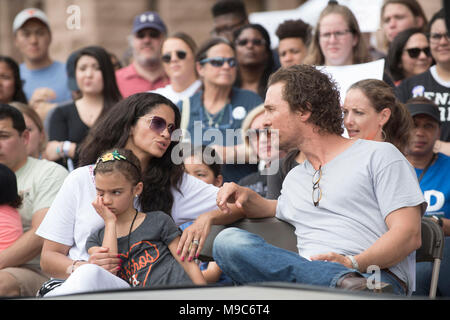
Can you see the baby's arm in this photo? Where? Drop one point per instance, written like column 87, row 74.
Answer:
column 191, row 268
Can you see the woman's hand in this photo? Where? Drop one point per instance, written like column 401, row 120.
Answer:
column 193, row 238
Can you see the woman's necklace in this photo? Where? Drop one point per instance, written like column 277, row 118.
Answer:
column 214, row 120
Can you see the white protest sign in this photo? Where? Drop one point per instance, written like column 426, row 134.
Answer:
column 345, row 76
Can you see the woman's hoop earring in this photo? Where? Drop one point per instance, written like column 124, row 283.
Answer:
column 383, row 135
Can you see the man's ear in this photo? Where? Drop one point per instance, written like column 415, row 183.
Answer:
column 304, row 114
column 25, row 136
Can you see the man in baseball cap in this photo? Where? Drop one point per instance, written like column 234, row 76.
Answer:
column 433, row 171
column 44, row 79
column 146, row 72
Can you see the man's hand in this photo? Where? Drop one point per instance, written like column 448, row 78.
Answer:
column 231, row 193
column 333, row 257
column 101, row 257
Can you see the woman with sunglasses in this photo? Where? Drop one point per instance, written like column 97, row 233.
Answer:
column 255, row 58
column 409, row 55
column 178, row 57
column 142, row 123
column 219, row 108
column 434, row 83
column 70, row 123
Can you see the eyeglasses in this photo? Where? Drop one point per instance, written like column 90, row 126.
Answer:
column 219, row 61
column 316, row 191
column 159, row 124
column 152, row 33
column 255, row 42
column 415, row 52
column 336, row 34
column 167, row 57
column 436, row 37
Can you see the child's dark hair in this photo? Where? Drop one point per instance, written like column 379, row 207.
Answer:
column 122, row 160
column 8, row 192
column 208, row 156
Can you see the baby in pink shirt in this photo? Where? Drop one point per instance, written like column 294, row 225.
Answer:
column 10, row 221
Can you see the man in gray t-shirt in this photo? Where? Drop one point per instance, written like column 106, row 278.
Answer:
column 146, row 258
column 356, row 205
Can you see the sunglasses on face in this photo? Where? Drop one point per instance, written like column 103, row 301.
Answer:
column 255, row 42
column 219, row 61
column 415, row 52
column 167, row 57
column 159, row 124
column 149, row 32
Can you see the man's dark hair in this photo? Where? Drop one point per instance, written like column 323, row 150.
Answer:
column 222, row 7
column 308, row 89
column 7, row 111
column 294, row 29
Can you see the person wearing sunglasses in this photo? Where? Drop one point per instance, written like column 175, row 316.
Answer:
column 409, row 55
column 146, row 71
column 144, row 124
column 255, row 58
column 178, row 57
column 356, row 205
column 219, row 108
column 434, row 83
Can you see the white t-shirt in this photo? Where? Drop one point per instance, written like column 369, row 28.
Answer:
column 174, row 96
column 71, row 218
column 360, row 188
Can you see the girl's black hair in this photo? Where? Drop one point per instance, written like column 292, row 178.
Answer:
column 113, row 131
column 123, row 161
column 111, row 93
column 8, row 191
column 19, row 95
column 212, row 160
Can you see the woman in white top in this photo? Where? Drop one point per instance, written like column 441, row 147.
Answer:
column 178, row 57
column 142, row 123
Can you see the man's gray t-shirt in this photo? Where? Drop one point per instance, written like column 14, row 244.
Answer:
column 151, row 263
column 360, row 188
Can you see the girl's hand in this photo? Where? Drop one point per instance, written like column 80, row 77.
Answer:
column 103, row 211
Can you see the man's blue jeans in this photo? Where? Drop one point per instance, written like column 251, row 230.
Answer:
column 247, row 258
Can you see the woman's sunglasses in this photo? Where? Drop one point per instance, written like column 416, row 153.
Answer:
column 219, row 61
column 415, row 52
column 255, row 42
column 167, row 57
column 159, row 124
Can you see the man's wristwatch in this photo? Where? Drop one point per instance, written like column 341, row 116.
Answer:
column 438, row 220
column 354, row 262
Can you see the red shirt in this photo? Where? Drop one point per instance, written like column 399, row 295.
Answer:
column 130, row 82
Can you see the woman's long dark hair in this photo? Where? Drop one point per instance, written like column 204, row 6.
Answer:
column 19, row 95
column 113, row 131
column 269, row 65
column 111, row 93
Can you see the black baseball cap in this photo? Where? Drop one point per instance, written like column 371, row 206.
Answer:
column 425, row 108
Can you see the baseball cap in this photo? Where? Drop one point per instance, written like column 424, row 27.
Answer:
column 424, row 108
column 27, row 14
column 149, row 19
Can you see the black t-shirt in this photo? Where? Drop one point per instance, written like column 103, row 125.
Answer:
column 66, row 125
column 426, row 85
column 148, row 261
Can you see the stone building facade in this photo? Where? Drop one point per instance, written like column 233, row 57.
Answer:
column 78, row 23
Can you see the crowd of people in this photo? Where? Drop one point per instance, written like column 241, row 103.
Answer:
column 113, row 173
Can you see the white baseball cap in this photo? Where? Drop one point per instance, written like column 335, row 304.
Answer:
column 27, row 14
